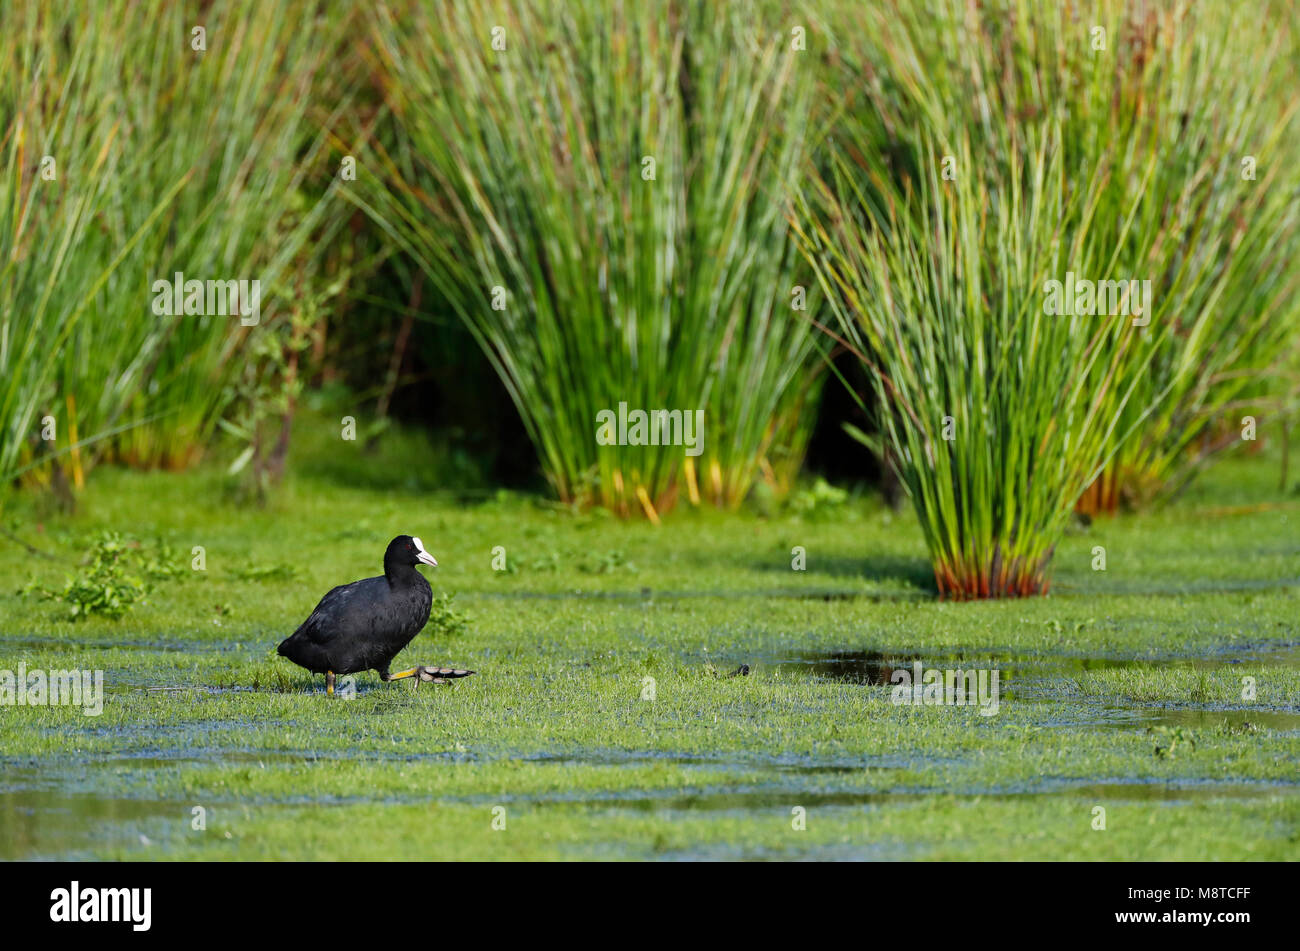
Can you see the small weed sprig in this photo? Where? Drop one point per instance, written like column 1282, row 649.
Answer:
column 444, row 619
column 120, row 574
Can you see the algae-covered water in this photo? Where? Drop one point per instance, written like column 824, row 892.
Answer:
column 1150, row 711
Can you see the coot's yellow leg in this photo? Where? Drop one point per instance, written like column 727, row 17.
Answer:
column 329, row 682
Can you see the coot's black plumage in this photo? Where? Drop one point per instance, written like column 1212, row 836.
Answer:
column 365, row 624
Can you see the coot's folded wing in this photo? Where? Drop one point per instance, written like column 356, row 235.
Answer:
column 334, row 615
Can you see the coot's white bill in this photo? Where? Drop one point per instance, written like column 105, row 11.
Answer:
column 423, row 555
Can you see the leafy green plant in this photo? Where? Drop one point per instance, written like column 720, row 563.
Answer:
column 819, row 501
column 445, row 620
column 263, row 393
column 1168, row 739
column 604, row 562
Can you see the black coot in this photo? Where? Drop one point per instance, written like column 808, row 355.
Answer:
column 365, row 624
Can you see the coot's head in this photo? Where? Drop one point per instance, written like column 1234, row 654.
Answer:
column 406, row 550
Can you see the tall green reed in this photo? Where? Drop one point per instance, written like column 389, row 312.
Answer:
column 168, row 159
column 604, row 203
column 997, row 412
column 1172, row 102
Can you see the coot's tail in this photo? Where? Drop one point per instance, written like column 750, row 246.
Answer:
column 302, row 652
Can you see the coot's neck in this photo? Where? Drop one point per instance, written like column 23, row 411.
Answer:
column 400, row 575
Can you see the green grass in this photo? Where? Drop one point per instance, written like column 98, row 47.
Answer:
column 1220, row 685
column 553, row 727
